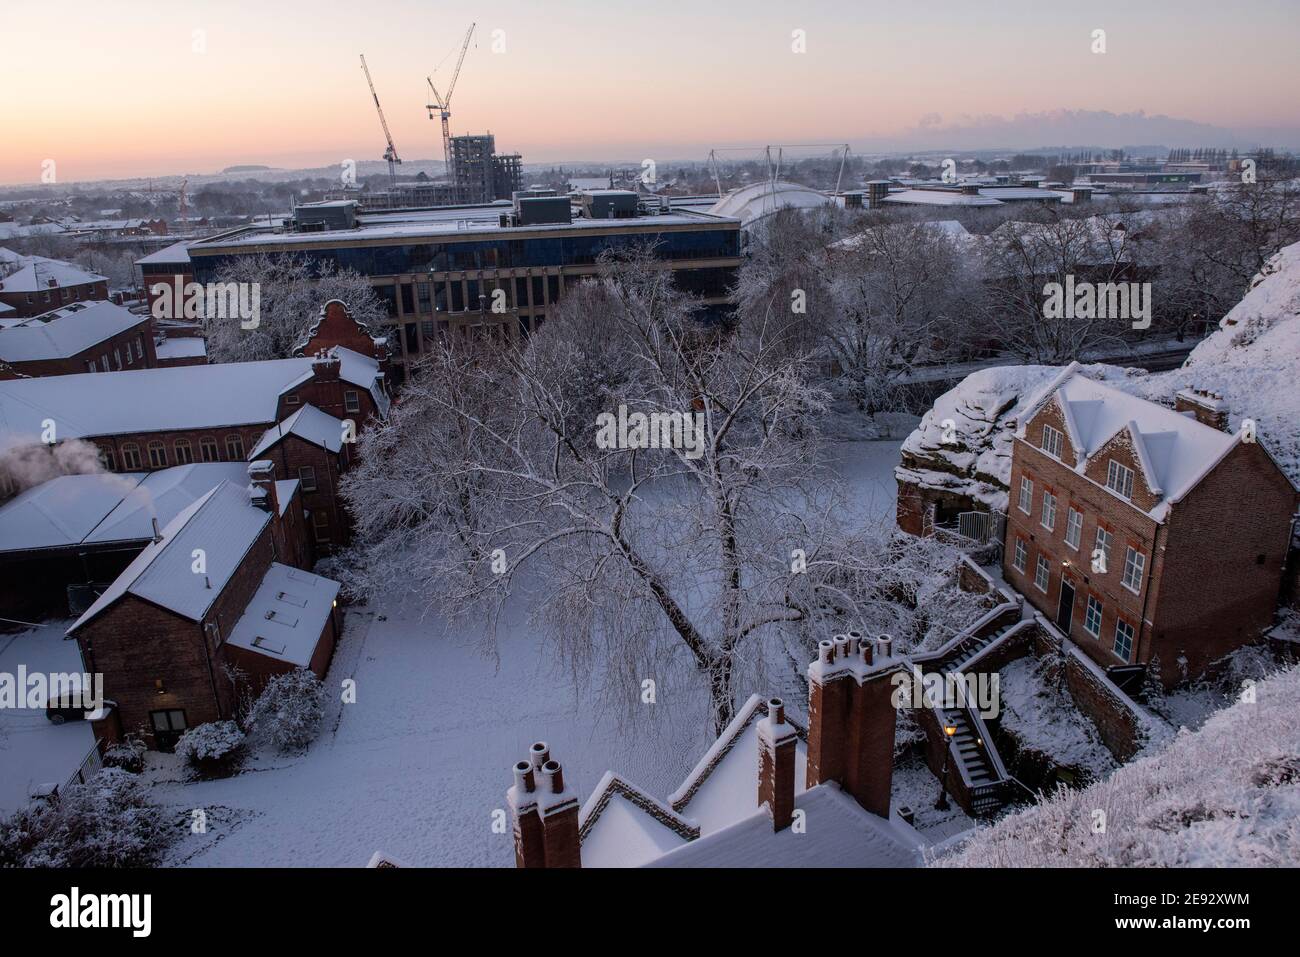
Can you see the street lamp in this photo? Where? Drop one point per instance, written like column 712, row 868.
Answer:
column 949, row 729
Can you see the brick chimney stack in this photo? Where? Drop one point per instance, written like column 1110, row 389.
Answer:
column 776, row 750
column 261, row 476
column 545, row 813
column 1207, row 407
column 325, row 367
column 851, row 719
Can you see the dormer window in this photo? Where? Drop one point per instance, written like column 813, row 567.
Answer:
column 1052, row 442
column 1119, row 479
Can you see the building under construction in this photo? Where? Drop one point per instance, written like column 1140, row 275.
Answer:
column 481, row 175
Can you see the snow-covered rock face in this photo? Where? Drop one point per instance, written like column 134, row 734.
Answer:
column 1253, row 361
column 963, row 444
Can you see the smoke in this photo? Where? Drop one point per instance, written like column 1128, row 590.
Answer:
column 24, row 463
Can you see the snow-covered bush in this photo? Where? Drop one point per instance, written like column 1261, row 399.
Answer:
column 288, row 712
column 107, row 822
column 213, row 749
column 127, row 755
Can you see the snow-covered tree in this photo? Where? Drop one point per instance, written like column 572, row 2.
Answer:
column 288, row 712
column 489, row 477
column 292, row 290
column 213, row 749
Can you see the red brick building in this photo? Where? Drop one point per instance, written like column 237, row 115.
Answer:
column 214, row 588
column 83, row 337
column 40, row 284
column 1146, row 534
column 157, row 418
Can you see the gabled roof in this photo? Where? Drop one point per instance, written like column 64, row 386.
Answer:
column 622, row 825
column 308, row 423
column 838, row 833
column 37, row 271
column 1174, row 451
column 65, row 333
column 168, row 399
column 223, row 524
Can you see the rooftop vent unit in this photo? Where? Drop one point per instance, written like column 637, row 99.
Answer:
column 317, row 217
column 542, row 210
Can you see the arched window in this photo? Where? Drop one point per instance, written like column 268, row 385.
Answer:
column 184, row 452
column 131, row 457
column 235, row 448
column 157, row 455
column 208, row 449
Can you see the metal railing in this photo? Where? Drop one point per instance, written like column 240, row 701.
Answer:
column 89, row 766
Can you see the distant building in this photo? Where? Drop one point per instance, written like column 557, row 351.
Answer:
column 484, row 271
column 1146, row 534
column 39, row 284
column 479, row 173
column 82, row 337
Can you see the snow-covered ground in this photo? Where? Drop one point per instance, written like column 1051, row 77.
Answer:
column 417, row 766
column 33, row 751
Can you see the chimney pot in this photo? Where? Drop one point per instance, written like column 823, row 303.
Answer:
column 157, row 535
column 825, row 651
column 776, row 710
column 540, row 754
column 886, row 646
column 524, row 777
column 553, row 771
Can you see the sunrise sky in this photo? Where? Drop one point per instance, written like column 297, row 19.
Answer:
column 110, row 88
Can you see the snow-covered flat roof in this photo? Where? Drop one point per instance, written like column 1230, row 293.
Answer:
column 286, row 615
column 222, row 525
column 166, row 399
column 66, row 332
column 174, row 254
column 182, row 347
column 938, row 197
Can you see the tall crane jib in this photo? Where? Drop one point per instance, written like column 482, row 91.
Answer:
column 442, row 105
column 390, row 153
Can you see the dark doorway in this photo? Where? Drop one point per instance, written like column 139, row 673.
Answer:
column 1065, row 610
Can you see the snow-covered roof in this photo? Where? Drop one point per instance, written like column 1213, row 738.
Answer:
column 622, row 825
column 163, row 495
column 223, row 525
column 168, row 399
column 939, row 197
column 286, row 615
column 62, row 511
column 758, row 200
column 1175, row 451
column 66, row 332
column 176, row 253
column 37, row 272
column 714, row 819
column 308, row 423
column 839, row 833
column 182, row 347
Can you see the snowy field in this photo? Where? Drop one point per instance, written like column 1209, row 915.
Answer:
column 33, row 751
column 419, row 763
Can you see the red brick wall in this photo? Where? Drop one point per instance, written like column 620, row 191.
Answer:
column 44, row 300
column 293, row 453
column 1223, row 564
column 338, row 328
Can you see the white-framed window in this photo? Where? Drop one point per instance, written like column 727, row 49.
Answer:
column 128, row 353
column 117, row 355
column 1026, row 502
column 1123, row 639
column 1020, row 559
column 157, row 455
column 292, row 399
column 1042, row 574
column 1134, row 563
column 184, row 451
column 307, row 476
column 90, row 366
column 351, row 400
column 1049, row 510
column 1103, row 542
column 1119, row 479
column 1052, row 442
column 1073, row 528
column 208, row 449
column 235, row 448
column 131, row 457
column 1092, row 617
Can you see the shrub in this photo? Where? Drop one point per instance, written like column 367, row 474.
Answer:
column 106, row 822
column 128, row 755
column 288, row 712
column 213, row 749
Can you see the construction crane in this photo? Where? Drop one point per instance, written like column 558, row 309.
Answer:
column 390, row 153
column 443, row 103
